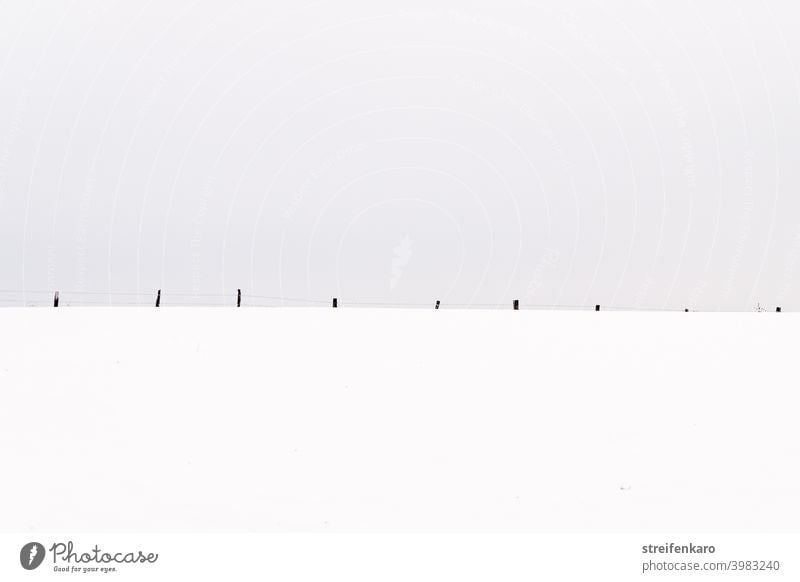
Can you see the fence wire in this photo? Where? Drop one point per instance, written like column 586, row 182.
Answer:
column 80, row 298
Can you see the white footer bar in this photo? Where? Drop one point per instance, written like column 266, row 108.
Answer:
column 370, row 557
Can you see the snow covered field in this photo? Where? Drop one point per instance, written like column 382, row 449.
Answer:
column 393, row 419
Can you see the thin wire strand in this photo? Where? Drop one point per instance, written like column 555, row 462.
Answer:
column 78, row 298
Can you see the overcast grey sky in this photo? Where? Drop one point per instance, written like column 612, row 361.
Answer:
column 633, row 154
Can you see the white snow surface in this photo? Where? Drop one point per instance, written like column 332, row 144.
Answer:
column 282, row 419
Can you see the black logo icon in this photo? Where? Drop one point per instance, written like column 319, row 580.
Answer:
column 31, row 555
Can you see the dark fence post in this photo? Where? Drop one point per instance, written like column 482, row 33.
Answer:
column 778, row 310
column 335, row 302
column 686, row 310
column 516, row 304
column 437, row 305
column 158, row 298
column 597, row 308
column 55, row 301
column 238, row 298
